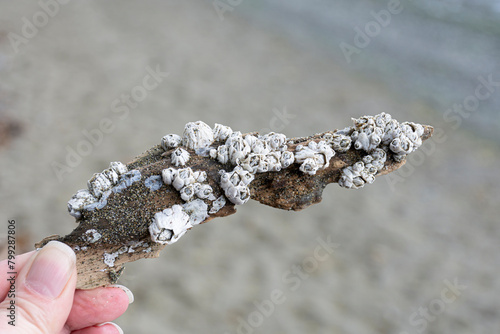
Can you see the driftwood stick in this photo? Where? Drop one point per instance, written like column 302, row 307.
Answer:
column 118, row 231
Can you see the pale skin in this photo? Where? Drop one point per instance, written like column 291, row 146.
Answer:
column 67, row 310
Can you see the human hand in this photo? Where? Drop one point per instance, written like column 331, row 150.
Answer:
column 46, row 300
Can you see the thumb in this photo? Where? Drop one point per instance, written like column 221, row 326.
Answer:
column 45, row 287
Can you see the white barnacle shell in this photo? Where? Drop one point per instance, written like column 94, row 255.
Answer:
column 92, row 236
column 237, row 147
column 401, row 145
column 287, row 158
column 213, row 153
column 375, row 140
column 118, row 167
column 197, row 211
column 251, row 140
column 382, row 119
column 358, row 167
column 217, row 204
column 168, row 175
column 251, row 162
column 188, row 191
column 205, row 191
column 326, row 151
column 277, row 141
column 221, row 132
column 238, row 195
column 235, row 185
column 170, row 141
column 392, row 130
column 98, row 184
column 417, row 128
column 362, row 142
column 367, row 159
column 257, row 145
column 309, row 166
column 78, row 201
column 341, row 142
column 222, row 154
column 364, row 122
column 111, row 175
column 200, row 176
column 320, row 152
column 197, row 135
column 179, row 157
column 183, row 177
column 169, row 225
column 273, row 161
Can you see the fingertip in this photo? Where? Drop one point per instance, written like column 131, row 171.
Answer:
column 104, row 328
column 129, row 293
column 110, row 327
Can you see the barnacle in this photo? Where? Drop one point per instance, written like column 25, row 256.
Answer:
column 98, row 184
column 237, row 147
column 205, row 191
column 169, row 225
column 78, row 201
column 218, row 204
column 235, row 185
column 170, row 141
column 339, row 142
column 197, row 211
column 179, row 157
column 188, row 191
column 92, row 235
column 287, row 158
column 309, row 166
column 197, row 135
column 313, row 156
column 277, row 141
column 221, row 132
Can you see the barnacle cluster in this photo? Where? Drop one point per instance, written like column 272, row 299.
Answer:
column 338, row 141
column 378, row 135
column 99, row 188
column 188, row 183
column 235, row 184
column 364, row 171
column 247, row 154
column 313, row 156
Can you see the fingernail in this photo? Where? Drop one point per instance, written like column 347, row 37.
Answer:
column 129, row 293
column 113, row 324
column 51, row 269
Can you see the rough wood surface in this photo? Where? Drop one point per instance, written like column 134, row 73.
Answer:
column 124, row 221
